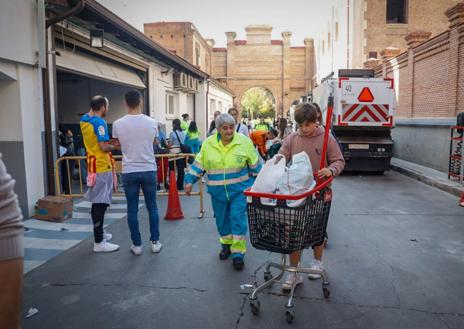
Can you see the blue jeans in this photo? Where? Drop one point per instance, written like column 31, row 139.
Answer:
column 132, row 183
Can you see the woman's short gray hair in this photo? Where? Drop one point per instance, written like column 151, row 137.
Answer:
column 224, row 118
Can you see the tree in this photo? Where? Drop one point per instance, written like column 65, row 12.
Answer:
column 258, row 102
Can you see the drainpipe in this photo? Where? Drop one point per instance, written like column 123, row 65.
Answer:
column 348, row 36
column 194, row 107
column 207, row 105
column 46, row 95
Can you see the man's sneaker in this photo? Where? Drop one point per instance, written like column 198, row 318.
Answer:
column 316, row 265
column 105, row 246
column 107, row 236
column 290, row 280
column 156, row 246
column 225, row 252
column 238, row 263
column 136, row 250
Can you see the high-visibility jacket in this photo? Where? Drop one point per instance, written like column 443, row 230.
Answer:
column 262, row 126
column 184, row 125
column 193, row 135
column 229, row 168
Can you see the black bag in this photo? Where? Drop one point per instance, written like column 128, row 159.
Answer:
column 183, row 148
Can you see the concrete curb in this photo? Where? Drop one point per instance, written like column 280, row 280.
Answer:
column 444, row 185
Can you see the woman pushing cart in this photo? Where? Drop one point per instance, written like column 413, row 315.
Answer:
column 288, row 230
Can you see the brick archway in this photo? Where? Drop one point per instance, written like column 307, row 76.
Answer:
column 260, row 61
column 240, row 93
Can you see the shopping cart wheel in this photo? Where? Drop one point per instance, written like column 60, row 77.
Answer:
column 325, row 289
column 290, row 315
column 326, row 292
column 267, row 276
column 255, row 307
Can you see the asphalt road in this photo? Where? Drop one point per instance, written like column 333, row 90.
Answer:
column 395, row 259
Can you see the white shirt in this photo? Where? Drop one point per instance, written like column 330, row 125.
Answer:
column 242, row 129
column 136, row 134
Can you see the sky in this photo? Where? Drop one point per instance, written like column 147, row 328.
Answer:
column 304, row 18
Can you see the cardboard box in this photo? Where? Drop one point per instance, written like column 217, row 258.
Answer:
column 54, row 208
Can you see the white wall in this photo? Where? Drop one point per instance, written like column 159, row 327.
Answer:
column 19, row 38
column 332, row 54
column 10, row 117
column 200, row 105
column 21, row 121
column 163, row 84
column 32, row 126
column 21, row 103
column 218, row 96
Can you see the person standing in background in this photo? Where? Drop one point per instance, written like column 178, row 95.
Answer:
column 176, row 138
column 239, row 127
column 136, row 133
column 100, row 167
column 212, row 126
column 193, row 138
column 185, row 122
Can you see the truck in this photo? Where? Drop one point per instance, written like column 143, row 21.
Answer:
column 363, row 117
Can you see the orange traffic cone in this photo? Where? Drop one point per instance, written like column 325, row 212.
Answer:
column 461, row 202
column 174, row 210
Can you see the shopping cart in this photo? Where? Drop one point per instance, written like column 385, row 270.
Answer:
column 279, row 228
column 282, row 229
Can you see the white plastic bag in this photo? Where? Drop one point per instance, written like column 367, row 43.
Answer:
column 297, row 180
column 268, row 177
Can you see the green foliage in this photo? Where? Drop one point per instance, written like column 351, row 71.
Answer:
column 258, row 103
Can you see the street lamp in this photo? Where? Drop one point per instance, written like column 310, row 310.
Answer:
column 96, row 38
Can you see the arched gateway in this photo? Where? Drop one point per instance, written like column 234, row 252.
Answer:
column 260, row 61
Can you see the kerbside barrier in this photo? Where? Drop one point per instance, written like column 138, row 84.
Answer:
column 71, row 173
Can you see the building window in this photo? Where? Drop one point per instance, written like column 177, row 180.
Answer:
column 170, row 104
column 212, row 106
column 372, row 54
column 219, row 106
column 397, row 11
column 329, row 40
column 323, row 47
column 197, row 54
column 336, row 31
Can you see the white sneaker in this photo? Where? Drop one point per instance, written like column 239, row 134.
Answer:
column 290, row 280
column 316, row 265
column 105, row 246
column 107, row 236
column 136, row 250
column 156, row 246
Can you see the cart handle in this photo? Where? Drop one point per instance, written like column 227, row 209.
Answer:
column 286, row 196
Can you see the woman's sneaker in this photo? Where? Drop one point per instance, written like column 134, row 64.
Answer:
column 105, row 246
column 136, row 250
column 316, row 265
column 290, row 280
column 156, row 247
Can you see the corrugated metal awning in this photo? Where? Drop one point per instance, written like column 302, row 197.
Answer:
column 87, row 65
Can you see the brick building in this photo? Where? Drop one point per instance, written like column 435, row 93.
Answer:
column 358, row 30
column 258, row 61
column 183, row 39
column 430, row 90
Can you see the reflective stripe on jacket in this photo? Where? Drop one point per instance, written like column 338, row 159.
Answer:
column 229, row 168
